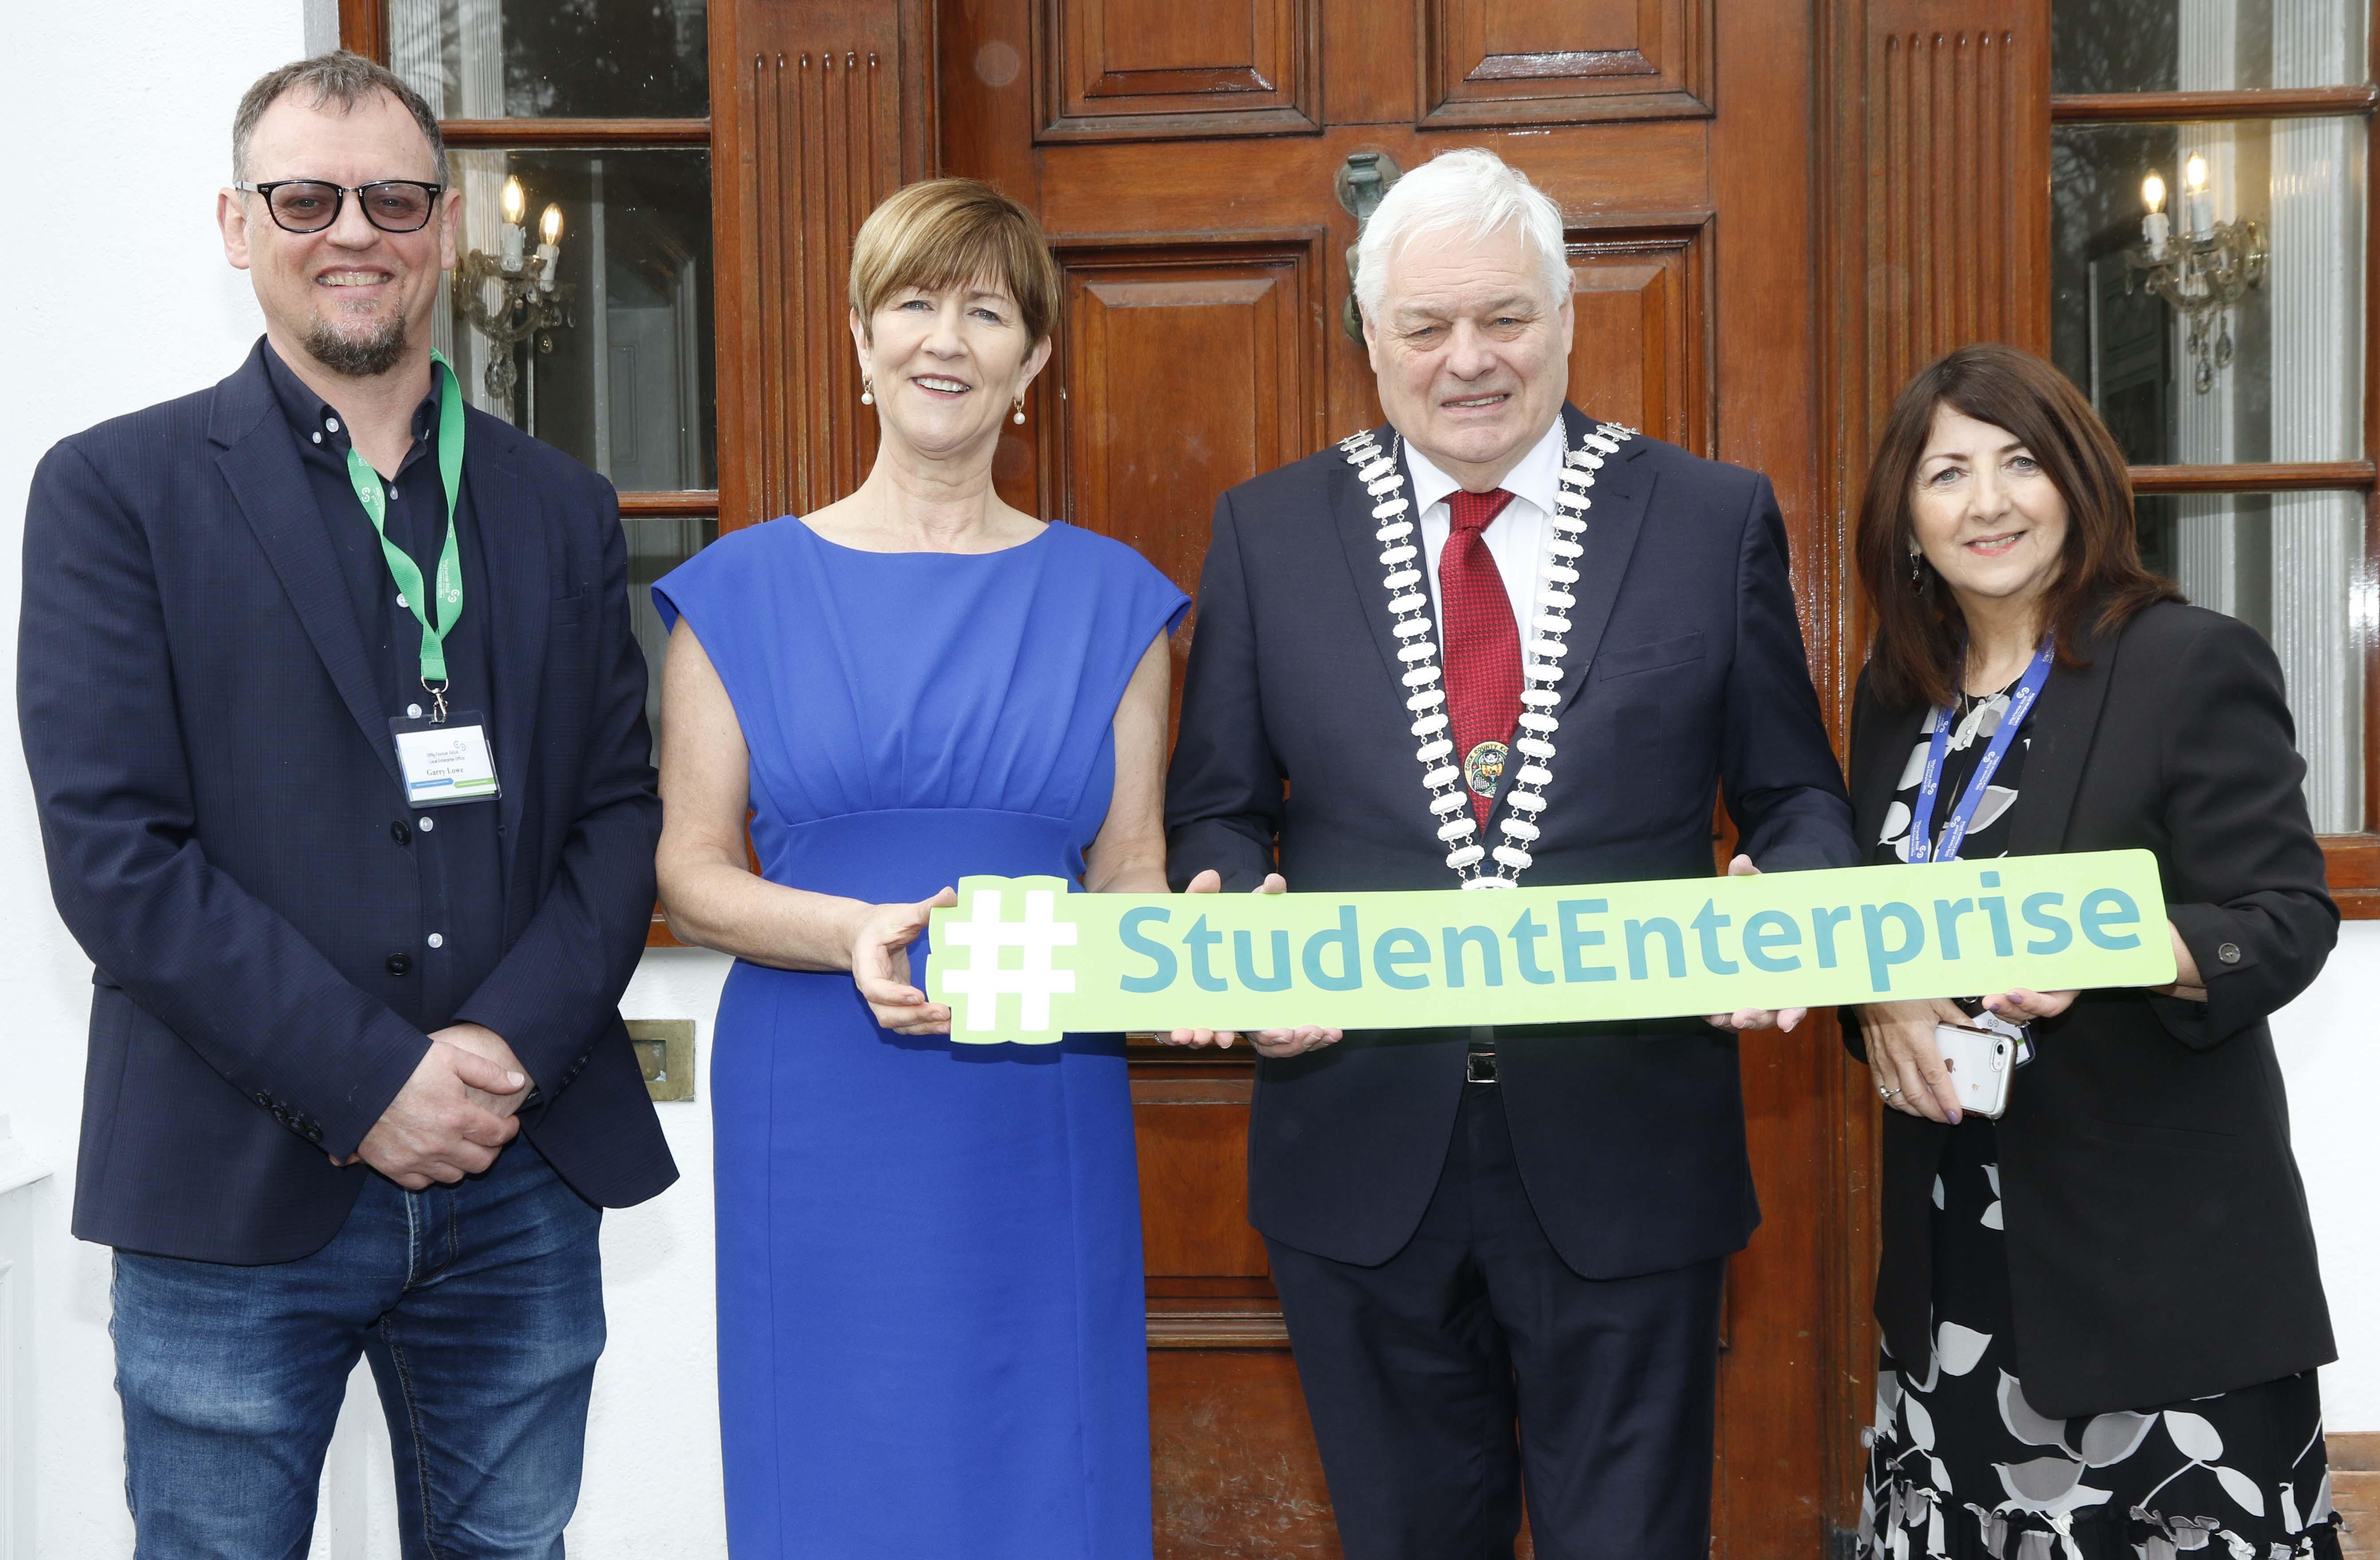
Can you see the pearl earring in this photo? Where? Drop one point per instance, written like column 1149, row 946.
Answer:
column 1019, row 417
column 866, row 390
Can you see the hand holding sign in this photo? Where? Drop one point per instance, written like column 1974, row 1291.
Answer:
column 1746, row 1019
column 1274, row 1042
column 880, row 966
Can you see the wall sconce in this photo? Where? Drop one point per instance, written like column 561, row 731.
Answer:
column 2202, row 271
column 530, row 304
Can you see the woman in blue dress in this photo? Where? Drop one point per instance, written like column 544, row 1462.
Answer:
column 932, row 1334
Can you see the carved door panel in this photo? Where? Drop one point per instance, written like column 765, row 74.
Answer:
column 1183, row 154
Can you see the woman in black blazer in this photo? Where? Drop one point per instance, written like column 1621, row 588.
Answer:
column 2101, row 1312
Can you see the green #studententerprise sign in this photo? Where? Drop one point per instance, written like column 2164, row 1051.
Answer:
column 1021, row 958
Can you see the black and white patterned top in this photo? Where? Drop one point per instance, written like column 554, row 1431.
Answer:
column 1975, row 719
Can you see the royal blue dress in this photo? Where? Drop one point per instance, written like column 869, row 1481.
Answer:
column 933, row 1342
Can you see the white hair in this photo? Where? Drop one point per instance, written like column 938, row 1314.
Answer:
column 1470, row 191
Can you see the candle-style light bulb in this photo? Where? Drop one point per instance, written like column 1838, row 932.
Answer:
column 548, row 253
column 2196, row 174
column 511, row 237
column 2201, row 206
column 2154, row 226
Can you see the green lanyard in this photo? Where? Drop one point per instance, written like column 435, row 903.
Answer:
column 401, row 566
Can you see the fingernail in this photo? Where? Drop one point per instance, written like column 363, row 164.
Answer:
column 515, row 1079
column 1955, row 1117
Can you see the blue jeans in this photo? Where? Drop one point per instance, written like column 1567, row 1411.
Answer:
column 480, row 1306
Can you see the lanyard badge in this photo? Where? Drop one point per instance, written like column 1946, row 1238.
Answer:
column 443, row 762
column 448, row 597
column 1921, row 846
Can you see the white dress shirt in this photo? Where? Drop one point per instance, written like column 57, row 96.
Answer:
column 1515, row 538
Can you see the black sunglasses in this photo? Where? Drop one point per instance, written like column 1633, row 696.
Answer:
column 312, row 205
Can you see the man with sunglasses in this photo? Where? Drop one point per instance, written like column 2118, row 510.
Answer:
column 335, row 725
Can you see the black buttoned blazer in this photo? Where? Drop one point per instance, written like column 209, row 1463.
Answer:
column 2158, row 1243
column 1685, row 677
column 215, row 780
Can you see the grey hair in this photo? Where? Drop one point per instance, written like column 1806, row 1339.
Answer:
column 339, row 79
column 1470, row 191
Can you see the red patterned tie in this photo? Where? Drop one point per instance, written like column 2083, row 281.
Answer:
column 1482, row 654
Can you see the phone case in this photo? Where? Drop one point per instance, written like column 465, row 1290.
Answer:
column 1982, row 1066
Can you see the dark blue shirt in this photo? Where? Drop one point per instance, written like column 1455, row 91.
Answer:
column 457, row 850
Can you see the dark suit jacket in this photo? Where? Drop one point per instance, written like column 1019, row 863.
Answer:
column 1686, row 671
column 2158, row 1244
column 216, row 783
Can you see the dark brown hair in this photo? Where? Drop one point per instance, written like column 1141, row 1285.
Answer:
column 339, row 80
column 1913, row 658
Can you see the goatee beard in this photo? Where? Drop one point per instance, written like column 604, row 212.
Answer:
column 368, row 358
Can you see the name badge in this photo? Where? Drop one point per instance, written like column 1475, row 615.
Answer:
column 445, row 763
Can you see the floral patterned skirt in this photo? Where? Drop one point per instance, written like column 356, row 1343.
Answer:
column 1962, row 1468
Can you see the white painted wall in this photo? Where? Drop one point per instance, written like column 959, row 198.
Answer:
column 2329, row 1042
column 102, row 317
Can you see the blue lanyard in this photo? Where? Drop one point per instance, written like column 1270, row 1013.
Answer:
column 1920, row 826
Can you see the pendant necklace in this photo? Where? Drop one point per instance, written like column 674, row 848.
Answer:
column 1445, row 773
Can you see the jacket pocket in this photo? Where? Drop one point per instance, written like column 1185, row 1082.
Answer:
column 1630, row 658
column 2186, row 1140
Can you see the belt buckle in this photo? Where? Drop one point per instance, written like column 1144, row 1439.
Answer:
column 1479, row 1067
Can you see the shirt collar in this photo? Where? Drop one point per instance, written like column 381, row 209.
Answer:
column 318, row 424
column 1535, row 478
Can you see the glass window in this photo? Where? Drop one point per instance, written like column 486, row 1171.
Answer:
column 2203, row 45
column 622, row 374
column 526, row 59
column 2277, row 375
column 2284, row 562
column 655, row 547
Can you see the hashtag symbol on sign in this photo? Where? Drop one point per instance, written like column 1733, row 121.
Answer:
column 983, row 983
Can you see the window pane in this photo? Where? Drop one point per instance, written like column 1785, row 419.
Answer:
column 2285, row 563
column 588, row 59
column 2203, row 45
column 655, row 547
column 626, row 384
column 2280, row 374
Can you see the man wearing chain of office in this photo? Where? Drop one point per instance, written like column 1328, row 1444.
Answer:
column 1496, row 642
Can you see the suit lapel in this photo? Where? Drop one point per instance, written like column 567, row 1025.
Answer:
column 1887, row 754
column 2061, row 728
column 1615, row 516
column 1352, row 506
column 278, row 503
column 517, row 594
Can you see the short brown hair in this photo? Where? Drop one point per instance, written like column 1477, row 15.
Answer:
column 339, row 79
column 1919, row 629
column 944, row 233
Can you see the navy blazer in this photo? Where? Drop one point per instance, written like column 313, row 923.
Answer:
column 1685, row 673
column 216, row 783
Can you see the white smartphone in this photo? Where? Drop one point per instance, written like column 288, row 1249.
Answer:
column 1982, row 1065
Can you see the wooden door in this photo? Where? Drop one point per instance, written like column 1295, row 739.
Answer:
column 1184, row 157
